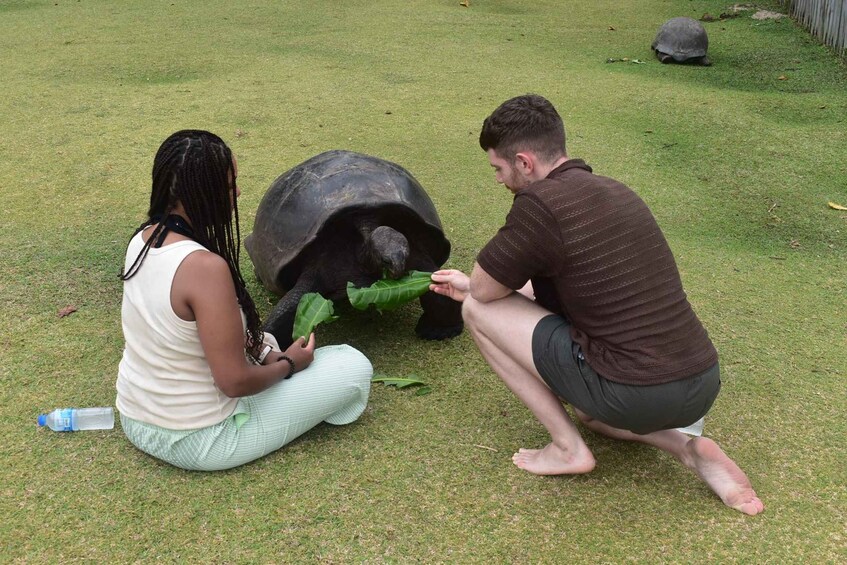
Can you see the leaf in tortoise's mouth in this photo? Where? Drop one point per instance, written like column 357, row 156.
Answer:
column 388, row 294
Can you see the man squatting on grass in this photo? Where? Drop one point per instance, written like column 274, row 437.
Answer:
column 578, row 297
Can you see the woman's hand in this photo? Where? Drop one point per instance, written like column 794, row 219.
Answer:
column 451, row 283
column 301, row 352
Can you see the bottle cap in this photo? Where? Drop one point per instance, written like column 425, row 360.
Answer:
column 42, row 419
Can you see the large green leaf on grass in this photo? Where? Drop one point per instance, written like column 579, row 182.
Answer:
column 312, row 310
column 403, row 382
column 388, row 294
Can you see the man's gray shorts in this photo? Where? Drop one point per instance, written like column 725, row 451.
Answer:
column 640, row 409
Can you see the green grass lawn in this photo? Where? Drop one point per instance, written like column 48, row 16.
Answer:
column 737, row 161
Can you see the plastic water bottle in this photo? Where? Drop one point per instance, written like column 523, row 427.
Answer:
column 77, row 419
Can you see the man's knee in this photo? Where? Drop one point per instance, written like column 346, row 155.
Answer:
column 474, row 315
column 469, row 310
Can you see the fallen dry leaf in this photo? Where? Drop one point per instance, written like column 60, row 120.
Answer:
column 66, row 311
column 835, row 206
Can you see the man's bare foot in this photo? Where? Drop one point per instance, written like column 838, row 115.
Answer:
column 722, row 475
column 553, row 460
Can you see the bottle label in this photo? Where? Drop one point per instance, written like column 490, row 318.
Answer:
column 64, row 421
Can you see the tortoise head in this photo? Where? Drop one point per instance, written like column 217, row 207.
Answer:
column 387, row 250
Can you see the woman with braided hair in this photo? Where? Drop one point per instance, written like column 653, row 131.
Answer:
column 200, row 386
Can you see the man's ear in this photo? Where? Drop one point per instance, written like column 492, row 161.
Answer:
column 525, row 162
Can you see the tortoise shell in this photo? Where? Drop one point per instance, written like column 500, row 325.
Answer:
column 327, row 191
column 682, row 39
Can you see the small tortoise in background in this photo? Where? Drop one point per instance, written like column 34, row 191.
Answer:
column 682, row 40
column 342, row 216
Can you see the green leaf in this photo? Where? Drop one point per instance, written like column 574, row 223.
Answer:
column 403, row 382
column 312, row 310
column 388, row 294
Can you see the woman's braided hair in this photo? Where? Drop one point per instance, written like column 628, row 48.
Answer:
column 195, row 167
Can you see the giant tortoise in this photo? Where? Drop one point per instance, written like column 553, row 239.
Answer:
column 343, row 216
column 682, row 40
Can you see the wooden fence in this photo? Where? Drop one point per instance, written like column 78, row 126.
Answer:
column 826, row 19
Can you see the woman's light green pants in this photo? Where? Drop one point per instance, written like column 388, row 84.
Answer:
column 333, row 389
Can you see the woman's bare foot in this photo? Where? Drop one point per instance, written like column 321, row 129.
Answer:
column 553, row 460
column 722, row 475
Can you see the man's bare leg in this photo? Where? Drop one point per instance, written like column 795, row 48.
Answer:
column 701, row 455
column 502, row 329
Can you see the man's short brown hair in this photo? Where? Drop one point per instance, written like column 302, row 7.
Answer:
column 528, row 122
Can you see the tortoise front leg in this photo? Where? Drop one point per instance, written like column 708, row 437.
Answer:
column 441, row 319
column 442, row 316
column 280, row 322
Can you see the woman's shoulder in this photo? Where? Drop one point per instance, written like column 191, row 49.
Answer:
column 203, row 278
column 204, row 262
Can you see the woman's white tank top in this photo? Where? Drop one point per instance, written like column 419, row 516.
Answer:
column 163, row 377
